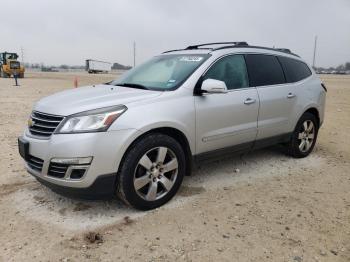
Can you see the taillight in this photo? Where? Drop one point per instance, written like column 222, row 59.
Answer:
column 324, row 86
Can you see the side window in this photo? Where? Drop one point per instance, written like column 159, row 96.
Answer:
column 230, row 69
column 264, row 70
column 295, row 70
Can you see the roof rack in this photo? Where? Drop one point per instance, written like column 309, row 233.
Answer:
column 200, row 46
column 283, row 50
column 218, row 43
column 232, row 45
column 286, row 50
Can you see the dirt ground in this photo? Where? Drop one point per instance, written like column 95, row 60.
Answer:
column 263, row 206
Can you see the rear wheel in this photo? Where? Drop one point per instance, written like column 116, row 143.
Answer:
column 304, row 136
column 152, row 172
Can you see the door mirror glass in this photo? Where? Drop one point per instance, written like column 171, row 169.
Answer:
column 212, row 86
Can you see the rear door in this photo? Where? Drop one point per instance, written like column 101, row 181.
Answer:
column 298, row 77
column 229, row 119
column 277, row 99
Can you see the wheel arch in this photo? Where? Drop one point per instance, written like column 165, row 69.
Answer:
column 175, row 133
column 312, row 109
column 315, row 112
column 293, row 145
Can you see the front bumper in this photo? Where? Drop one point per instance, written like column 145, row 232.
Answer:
column 102, row 188
column 105, row 148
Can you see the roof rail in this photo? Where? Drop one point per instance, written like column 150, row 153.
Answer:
column 232, row 45
column 282, row 50
column 286, row 50
column 193, row 47
column 217, row 43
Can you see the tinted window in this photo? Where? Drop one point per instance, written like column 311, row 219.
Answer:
column 294, row 70
column 264, row 70
column 230, row 69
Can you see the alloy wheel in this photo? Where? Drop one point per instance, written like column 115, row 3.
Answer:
column 155, row 173
column 306, row 136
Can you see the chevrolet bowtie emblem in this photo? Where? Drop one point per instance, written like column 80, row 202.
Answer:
column 30, row 122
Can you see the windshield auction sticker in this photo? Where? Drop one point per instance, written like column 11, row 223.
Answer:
column 191, row 58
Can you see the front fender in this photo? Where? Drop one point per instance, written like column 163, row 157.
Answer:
column 174, row 125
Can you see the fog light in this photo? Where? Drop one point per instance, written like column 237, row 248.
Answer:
column 73, row 161
column 77, row 173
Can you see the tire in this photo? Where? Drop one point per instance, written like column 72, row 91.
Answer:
column 302, row 142
column 144, row 184
column 4, row 75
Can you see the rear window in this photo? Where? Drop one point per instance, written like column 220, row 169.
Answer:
column 264, row 70
column 294, row 70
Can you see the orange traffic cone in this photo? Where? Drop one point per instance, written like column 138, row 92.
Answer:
column 75, row 82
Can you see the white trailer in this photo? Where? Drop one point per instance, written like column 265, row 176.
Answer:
column 94, row 66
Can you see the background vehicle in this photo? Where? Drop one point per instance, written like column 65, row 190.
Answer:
column 94, row 66
column 9, row 65
column 139, row 134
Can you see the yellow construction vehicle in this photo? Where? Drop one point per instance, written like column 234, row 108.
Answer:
column 10, row 66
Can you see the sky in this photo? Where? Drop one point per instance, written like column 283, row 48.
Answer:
column 56, row 32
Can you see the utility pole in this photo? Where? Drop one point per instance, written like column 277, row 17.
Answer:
column 314, row 59
column 134, row 54
column 22, row 54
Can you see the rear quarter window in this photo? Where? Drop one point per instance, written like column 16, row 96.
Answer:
column 264, row 70
column 294, row 70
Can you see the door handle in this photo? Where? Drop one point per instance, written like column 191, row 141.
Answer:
column 249, row 101
column 291, row 95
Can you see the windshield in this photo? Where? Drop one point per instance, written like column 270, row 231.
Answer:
column 166, row 72
column 11, row 56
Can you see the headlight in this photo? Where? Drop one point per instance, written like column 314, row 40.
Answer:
column 91, row 121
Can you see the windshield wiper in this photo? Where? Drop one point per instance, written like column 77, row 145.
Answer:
column 132, row 85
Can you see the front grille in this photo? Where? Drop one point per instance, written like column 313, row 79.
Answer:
column 42, row 124
column 35, row 163
column 15, row 65
column 57, row 170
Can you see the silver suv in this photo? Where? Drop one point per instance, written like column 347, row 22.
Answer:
column 137, row 136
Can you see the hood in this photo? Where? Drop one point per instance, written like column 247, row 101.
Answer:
column 91, row 97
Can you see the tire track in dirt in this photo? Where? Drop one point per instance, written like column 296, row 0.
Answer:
column 7, row 189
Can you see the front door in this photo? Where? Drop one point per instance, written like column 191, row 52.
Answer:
column 228, row 119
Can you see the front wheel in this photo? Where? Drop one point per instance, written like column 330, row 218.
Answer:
column 304, row 136
column 151, row 172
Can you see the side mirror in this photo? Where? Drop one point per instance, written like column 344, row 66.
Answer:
column 212, row 86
